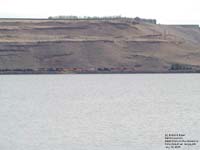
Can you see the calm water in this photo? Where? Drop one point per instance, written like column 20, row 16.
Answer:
column 97, row 112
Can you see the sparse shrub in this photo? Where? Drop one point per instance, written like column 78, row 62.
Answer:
column 180, row 67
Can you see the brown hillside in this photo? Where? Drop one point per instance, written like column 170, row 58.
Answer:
column 96, row 43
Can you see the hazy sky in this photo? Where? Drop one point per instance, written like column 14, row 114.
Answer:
column 165, row 11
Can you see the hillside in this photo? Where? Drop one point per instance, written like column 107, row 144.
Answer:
column 134, row 45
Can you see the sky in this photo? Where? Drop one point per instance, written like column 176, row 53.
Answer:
column 165, row 11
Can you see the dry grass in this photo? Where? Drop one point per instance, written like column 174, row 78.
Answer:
column 34, row 43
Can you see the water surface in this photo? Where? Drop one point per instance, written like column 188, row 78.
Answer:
column 97, row 112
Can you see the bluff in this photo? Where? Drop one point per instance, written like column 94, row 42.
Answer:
column 140, row 45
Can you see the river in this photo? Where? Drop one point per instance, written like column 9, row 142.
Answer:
column 98, row 112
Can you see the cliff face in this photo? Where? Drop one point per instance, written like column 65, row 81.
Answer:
column 145, row 47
